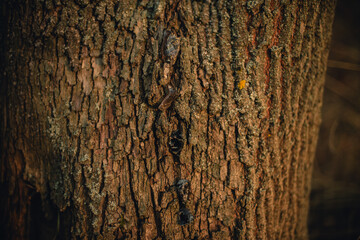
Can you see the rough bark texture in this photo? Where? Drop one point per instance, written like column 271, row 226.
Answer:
column 87, row 151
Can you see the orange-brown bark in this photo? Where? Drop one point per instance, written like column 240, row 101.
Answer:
column 85, row 124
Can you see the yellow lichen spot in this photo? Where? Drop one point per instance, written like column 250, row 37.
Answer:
column 241, row 84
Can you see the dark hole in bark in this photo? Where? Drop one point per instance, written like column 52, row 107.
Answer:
column 176, row 143
column 183, row 189
column 185, row 216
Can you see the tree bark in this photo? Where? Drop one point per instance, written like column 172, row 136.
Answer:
column 160, row 119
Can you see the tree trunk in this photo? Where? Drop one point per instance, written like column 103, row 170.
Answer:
column 160, row 119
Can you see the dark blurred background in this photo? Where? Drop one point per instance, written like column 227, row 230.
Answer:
column 335, row 197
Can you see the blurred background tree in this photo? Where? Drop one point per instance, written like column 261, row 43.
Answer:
column 335, row 197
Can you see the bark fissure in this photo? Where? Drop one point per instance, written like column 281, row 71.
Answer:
column 138, row 219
